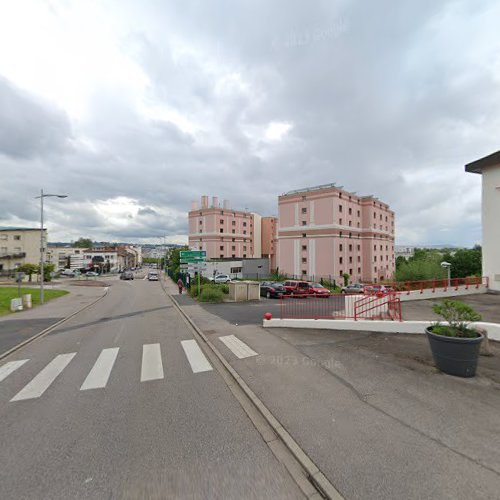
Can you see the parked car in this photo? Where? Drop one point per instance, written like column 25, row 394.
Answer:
column 126, row 275
column 91, row 273
column 296, row 287
column 68, row 272
column 220, row 278
column 271, row 289
column 353, row 288
column 318, row 290
column 152, row 276
column 373, row 289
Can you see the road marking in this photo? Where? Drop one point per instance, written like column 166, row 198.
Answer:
column 237, row 347
column 99, row 375
column 10, row 367
column 152, row 367
column 45, row 378
column 197, row 360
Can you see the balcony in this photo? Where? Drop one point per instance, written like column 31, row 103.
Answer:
column 13, row 255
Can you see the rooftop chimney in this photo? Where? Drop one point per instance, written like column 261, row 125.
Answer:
column 215, row 202
column 194, row 205
column 204, row 202
column 226, row 205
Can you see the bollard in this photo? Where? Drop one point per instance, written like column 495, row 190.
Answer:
column 27, row 303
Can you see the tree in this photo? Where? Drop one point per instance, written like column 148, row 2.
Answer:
column 466, row 262
column 83, row 243
column 28, row 269
column 174, row 260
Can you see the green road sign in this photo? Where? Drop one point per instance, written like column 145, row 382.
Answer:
column 194, row 259
column 190, row 254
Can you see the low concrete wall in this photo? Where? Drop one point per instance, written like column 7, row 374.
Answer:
column 440, row 292
column 417, row 327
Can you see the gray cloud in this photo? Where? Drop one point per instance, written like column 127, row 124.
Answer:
column 385, row 99
column 30, row 127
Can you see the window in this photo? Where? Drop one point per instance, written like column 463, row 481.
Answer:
column 244, row 255
column 359, row 270
column 350, row 260
column 341, row 272
column 304, row 260
column 221, row 247
column 303, row 235
column 304, row 210
column 374, row 215
column 340, row 208
column 233, row 231
column 221, row 230
column 233, row 223
column 375, row 268
column 359, row 213
column 350, row 248
column 244, row 224
column 386, row 248
column 350, row 223
column 244, row 248
column 350, row 271
column 375, row 259
column 304, row 272
column 221, row 256
column 374, row 248
column 358, row 224
column 304, row 223
column 340, row 221
column 359, row 258
column 17, row 237
column 201, row 222
column 233, row 239
column 380, row 247
column 244, row 232
column 386, row 218
column 380, row 216
column 340, row 234
column 341, row 260
column 340, row 247
column 233, row 256
column 350, row 211
column 350, row 235
column 221, row 221
column 233, row 248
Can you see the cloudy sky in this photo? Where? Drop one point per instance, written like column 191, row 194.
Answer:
column 135, row 108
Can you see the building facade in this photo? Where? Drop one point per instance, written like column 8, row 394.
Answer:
column 223, row 232
column 489, row 167
column 326, row 232
column 19, row 246
column 269, row 237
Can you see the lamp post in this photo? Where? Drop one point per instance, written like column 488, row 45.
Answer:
column 42, row 196
column 447, row 266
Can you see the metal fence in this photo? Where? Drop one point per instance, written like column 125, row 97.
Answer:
column 437, row 284
column 339, row 306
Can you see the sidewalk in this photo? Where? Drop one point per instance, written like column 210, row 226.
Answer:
column 20, row 326
column 376, row 427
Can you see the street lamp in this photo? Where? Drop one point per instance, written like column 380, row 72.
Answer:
column 42, row 196
column 447, row 266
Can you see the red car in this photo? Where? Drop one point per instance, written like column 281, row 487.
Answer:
column 296, row 287
column 318, row 290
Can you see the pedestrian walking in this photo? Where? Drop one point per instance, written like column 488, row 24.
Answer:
column 180, row 284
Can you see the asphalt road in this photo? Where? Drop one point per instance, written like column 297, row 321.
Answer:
column 108, row 405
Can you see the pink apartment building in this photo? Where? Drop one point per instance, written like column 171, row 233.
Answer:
column 226, row 233
column 325, row 231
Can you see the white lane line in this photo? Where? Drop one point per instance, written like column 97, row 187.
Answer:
column 45, row 378
column 238, row 348
column 9, row 367
column 152, row 367
column 99, row 375
column 197, row 360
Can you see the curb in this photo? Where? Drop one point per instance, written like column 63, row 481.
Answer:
column 50, row 328
column 325, row 488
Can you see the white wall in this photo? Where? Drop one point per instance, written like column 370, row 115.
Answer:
column 257, row 236
column 491, row 224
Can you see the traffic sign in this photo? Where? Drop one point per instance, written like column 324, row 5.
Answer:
column 190, row 254
column 193, row 259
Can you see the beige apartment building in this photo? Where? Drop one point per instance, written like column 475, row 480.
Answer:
column 19, row 246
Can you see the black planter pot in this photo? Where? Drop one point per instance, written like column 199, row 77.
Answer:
column 455, row 355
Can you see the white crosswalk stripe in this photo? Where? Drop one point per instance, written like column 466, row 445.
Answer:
column 237, row 347
column 45, row 378
column 197, row 360
column 152, row 366
column 99, row 375
column 10, row 367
